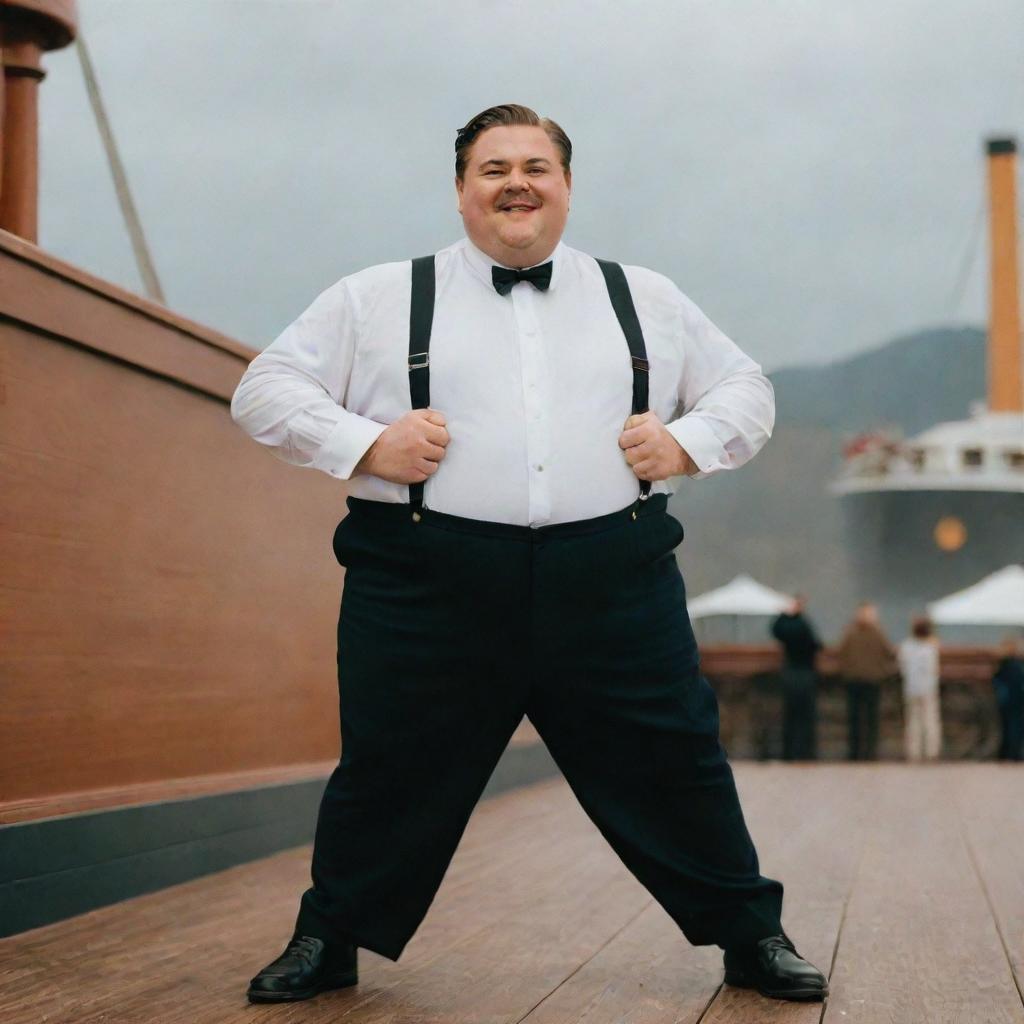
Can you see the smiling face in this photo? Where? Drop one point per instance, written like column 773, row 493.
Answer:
column 514, row 195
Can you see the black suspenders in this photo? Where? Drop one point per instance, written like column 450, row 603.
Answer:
column 421, row 318
column 622, row 303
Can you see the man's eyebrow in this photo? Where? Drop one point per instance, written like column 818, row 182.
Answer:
column 505, row 163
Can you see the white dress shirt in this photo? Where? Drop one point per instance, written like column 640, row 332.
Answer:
column 535, row 386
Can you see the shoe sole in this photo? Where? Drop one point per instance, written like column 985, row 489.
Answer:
column 802, row 994
column 338, row 981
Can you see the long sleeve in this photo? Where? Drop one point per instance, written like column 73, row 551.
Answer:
column 728, row 404
column 290, row 398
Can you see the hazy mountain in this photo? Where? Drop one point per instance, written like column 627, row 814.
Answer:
column 774, row 518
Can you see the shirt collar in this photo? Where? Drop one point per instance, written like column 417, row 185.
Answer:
column 480, row 263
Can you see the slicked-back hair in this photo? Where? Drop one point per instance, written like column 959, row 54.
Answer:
column 507, row 115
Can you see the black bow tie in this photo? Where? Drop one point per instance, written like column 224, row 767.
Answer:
column 503, row 278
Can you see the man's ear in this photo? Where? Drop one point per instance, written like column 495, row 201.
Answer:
column 458, row 189
column 568, row 185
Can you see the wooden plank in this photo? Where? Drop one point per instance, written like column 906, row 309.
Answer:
column 989, row 800
column 919, row 942
column 648, row 972
column 809, row 822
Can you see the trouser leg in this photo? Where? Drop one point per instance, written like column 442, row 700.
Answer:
column 932, row 726
column 808, row 723
column 633, row 724
column 854, row 712
column 872, row 696
column 1012, row 715
column 913, row 728
column 789, row 721
column 804, row 712
column 796, row 697
column 430, row 692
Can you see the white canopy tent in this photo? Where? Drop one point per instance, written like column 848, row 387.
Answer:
column 997, row 600
column 741, row 600
column 741, row 596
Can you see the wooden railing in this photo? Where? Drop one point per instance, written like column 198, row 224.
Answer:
column 746, row 679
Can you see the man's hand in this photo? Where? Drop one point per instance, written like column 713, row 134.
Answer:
column 409, row 450
column 652, row 451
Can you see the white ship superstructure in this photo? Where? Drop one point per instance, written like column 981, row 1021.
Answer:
column 933, row 513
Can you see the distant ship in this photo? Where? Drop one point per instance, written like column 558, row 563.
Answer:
column 933, row 513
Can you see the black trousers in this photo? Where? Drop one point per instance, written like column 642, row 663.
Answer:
column 799, row 713
column 1011, row 714
column 862, row 699
column 450, row 630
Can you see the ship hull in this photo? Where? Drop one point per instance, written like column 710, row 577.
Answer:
column 893, row 542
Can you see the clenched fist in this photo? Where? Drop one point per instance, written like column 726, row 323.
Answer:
column 409, row 450
column 652, row 451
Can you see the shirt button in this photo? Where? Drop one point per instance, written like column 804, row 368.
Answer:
column 540, row 469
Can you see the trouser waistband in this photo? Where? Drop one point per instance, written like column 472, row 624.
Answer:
column 402, row 511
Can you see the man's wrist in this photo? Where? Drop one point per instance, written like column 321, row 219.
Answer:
column 687, row 467
column 362, row 467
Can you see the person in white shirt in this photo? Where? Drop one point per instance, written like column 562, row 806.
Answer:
column 918, row 658
column 511, row 415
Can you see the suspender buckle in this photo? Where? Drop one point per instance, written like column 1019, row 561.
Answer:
column 419, row 360
column 639, row 363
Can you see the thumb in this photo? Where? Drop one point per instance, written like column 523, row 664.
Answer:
column 433, row 416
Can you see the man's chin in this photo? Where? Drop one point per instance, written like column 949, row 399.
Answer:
column 518, row 240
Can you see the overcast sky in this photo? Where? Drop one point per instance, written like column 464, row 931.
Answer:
column 809, row 172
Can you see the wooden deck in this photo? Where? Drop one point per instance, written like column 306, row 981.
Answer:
column 905, row 883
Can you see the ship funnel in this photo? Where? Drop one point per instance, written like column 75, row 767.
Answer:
column 1005, row 372
column 27, row 28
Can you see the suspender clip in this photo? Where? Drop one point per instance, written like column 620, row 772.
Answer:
column 419, row 360
column 639, row 363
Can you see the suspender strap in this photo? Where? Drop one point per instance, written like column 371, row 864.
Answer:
column 421, row 317
column 625, row 311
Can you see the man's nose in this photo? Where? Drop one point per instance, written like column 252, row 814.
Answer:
column 517, row 182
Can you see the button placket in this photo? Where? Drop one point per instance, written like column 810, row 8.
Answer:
column 534, row 371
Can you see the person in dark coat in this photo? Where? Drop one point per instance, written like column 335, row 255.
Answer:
column 1008, row 683
column 800, row 646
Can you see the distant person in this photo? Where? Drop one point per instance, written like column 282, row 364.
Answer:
column 800, row 646
column 866, row 659
column 1008, row 683
column 918, row 658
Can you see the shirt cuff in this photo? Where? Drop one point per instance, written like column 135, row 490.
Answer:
column 698, row 440
column 346, row 444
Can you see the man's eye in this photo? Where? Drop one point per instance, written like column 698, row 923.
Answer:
column 489, row 173
column 536, row 170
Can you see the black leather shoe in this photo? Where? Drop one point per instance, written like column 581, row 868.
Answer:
column 307, row 966
column 775, row 969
